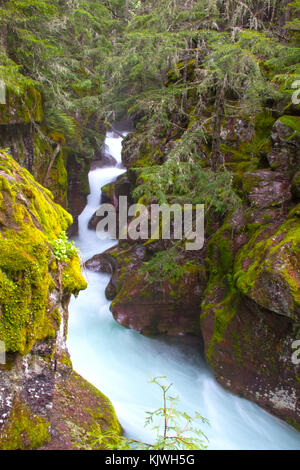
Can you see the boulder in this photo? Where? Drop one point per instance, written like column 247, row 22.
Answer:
column 285, row 136
column 265, row 188
column 251, row 312
column 168, row 307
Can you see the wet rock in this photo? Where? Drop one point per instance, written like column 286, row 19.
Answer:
column 104, row 159
column 78, row 190
column 265, row 188
column 249, row 350
column 273, row 278
column 103, row 263
column 251, row 309
column 165, row 307
column 77, row 408
column 161, row 308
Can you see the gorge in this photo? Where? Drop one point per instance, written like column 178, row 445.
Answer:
column 162, row 103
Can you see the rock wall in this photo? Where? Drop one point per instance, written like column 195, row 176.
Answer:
column 35, row 290
column 243, row 293
column 24, row 133
column 33, row 146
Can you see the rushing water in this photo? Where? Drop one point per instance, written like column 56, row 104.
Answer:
column 120, row 362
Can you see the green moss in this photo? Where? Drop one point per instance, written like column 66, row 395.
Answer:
column 24, row 430
column 22, row 109
column 91, row 415
column 181, row 68
column 58, row 178
column 246, row 156
column 219, row 251
column 281, row 248
column 263, row 126
column 108, row 190
column 29, row 221
column 291, row 121
column 65, row 360
column 221, row 285
column 292, row 422
column 72, row 280
column 296, row 178
column 223, row 312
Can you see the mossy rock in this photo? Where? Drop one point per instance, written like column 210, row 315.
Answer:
column 79, row 415
column 57, row 181
column 293, row 123
column 24, row 430
column 267, row 268
column 29, row 221
column 296, row 185
column 22, row 109
column 168, row 306
column 286, row 140
column 266, row 188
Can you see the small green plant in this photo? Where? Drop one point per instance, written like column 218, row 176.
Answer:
column 164, row 265
column 63, row 249
column 175, row 430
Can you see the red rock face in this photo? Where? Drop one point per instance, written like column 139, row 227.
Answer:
column 250, row 323
column 157, row 310
column 253, row 360
column 266, row 188
column 80, row 406
column 166, row 307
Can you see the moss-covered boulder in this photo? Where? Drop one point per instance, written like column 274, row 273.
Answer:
column 30, row 220
column 35, row 289
column 250, row 309
column 79, row 414
column 267, row 269
column 33, row 146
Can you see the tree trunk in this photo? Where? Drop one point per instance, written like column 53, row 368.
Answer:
column 55, row 153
